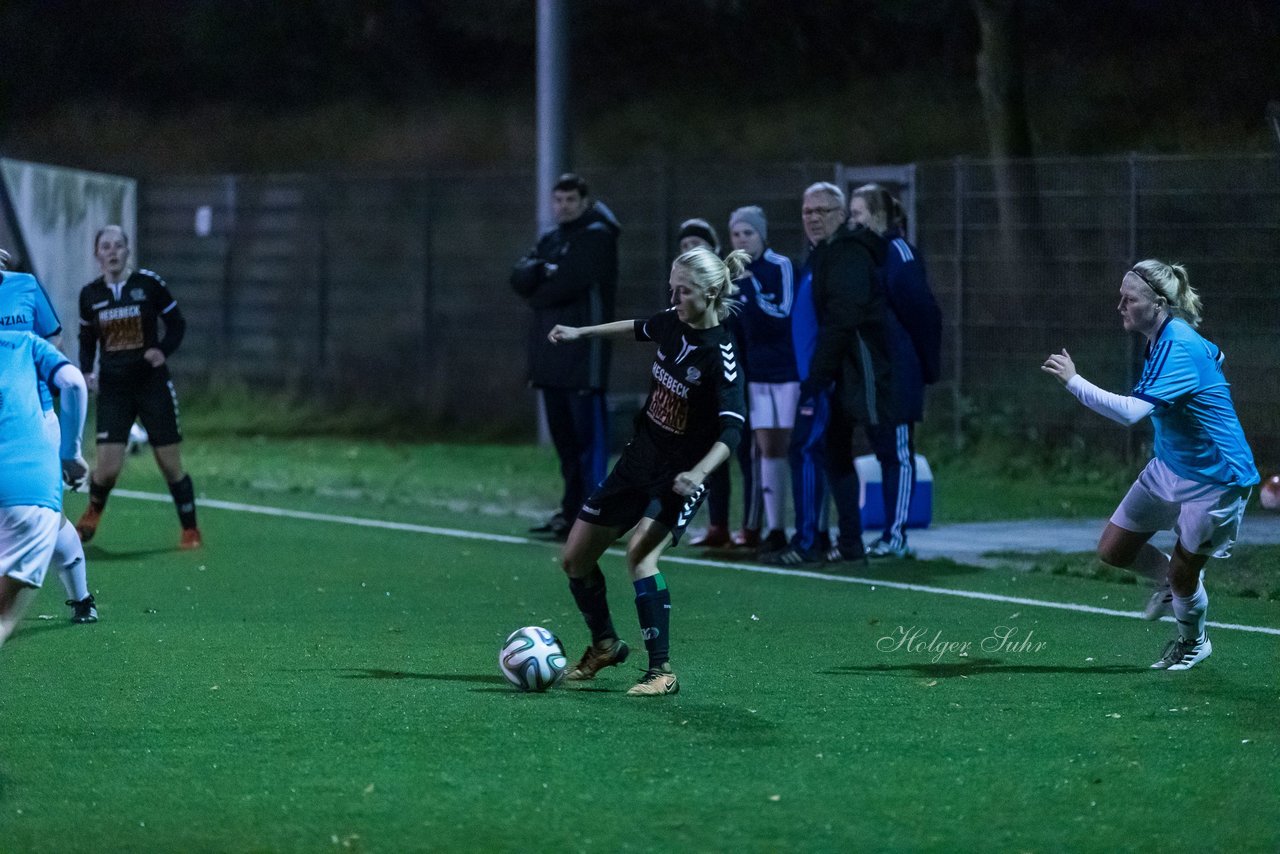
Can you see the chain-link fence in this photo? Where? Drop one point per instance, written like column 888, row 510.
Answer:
column 394, row 287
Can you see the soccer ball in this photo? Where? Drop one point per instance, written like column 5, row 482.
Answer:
column 532, row 659
column 1269, row 495
column 138, row 438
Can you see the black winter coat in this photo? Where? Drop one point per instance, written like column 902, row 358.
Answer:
column 852, row 350
column 579, row 291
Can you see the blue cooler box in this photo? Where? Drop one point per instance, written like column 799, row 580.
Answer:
column 871, row 499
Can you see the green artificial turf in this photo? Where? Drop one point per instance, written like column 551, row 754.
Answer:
column 309, row 685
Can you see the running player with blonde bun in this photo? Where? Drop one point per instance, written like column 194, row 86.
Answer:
column 1202, row 472
column 691, row 422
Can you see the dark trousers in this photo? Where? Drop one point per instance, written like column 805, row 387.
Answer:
column 578, row 425
column 821, row 456
column 895, row 448
column 842, row 480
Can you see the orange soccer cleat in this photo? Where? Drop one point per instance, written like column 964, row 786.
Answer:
column 191, row 539
column 87, row 525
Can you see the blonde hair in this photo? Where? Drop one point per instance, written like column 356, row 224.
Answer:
column 880, row 204
column 1171, row 284
column 109, row 228
column 706, row 271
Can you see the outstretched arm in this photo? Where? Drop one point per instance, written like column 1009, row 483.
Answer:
column 74, row 406
column 617, row 329
column 1123, row 409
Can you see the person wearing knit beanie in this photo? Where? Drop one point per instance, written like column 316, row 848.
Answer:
column 753, row 216
column 697, row 232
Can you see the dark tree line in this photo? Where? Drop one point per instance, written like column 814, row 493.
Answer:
column 1221, row 55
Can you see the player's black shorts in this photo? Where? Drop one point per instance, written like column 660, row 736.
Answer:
column 640, row 487
column 148, row 397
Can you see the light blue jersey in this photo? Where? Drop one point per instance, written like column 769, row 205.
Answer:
column 25, row 307
column 31, row 474
column 1198, row 435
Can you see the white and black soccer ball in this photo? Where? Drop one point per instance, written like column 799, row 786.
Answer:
column 138, row 439
column 1269, row 494
column 532, row 659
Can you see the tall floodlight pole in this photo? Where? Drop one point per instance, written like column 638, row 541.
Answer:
column 553, row 133
column 553, row 82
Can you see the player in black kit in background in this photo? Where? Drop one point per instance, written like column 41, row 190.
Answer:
column 123, row 310
column 690, row 424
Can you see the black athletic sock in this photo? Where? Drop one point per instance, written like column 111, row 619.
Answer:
column 653, row 605
column 184, row 498
column 98, row 494
column 589, row 593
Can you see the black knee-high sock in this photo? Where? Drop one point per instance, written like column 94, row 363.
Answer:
column 184, row 498
column 98, row 494
column 653, row 605
column 589, row 593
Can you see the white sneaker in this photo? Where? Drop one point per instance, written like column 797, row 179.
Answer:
column 882, row 548
column 1159, row 604
column 1184, row 654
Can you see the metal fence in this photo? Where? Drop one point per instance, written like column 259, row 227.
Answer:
column 358, row 287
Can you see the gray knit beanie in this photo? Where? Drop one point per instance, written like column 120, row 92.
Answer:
column 753, row 216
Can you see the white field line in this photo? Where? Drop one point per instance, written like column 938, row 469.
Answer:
column 740, row 567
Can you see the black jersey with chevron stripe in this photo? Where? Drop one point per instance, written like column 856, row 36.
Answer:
column 696, row 386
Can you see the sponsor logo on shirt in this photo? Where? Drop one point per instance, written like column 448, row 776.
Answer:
column 669, row 382
column 119, row 313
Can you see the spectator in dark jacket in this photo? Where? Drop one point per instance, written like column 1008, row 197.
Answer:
column 571, row 278
column 848, row 381
column 914, row 325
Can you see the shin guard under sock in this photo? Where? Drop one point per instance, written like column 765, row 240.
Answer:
column 589, row 593
column 98, row 494
column 184, row 499
column 653, row 606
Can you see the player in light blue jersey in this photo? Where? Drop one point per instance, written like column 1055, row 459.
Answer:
column 30, row 491
column 24, row 305
column 1202, row 473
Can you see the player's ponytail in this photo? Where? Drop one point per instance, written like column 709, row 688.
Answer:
column 1171, row 283
column 708, row 273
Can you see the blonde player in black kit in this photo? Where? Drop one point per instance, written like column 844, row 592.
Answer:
column 691, row 422
column 123, row 310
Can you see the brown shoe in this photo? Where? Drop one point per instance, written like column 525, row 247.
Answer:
column 87, row 525
column 716, row 537
column 594, row 660
column 191, row 539
column 656, row 682
column 746, row 538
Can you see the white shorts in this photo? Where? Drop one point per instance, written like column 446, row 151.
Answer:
column 27, row 537
column 1206, row 517
column 773, row 405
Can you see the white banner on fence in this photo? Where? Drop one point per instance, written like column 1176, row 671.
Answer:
column 57, row 213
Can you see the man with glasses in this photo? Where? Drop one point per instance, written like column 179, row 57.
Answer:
column 844, row 371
